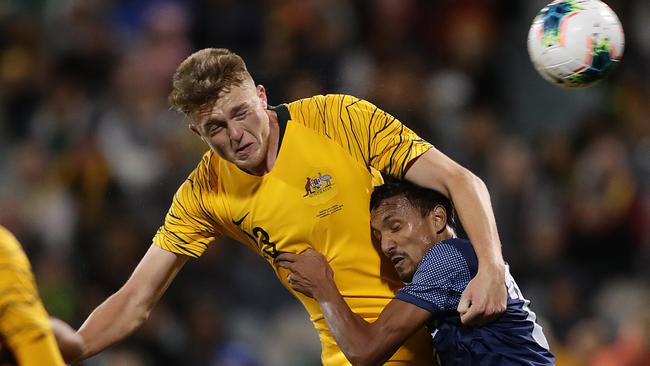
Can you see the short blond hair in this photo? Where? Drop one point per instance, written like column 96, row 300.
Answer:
column 201, row 77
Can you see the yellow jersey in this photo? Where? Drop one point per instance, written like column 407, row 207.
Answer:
column 24, row 324
column 317, row 195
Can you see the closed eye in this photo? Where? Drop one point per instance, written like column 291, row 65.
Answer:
column 240, row 116
column 213, row 129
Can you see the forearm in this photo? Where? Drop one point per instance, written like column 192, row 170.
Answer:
column 355, row 336
column 122, row 313
column 472, row 202
column 470, row 197
column 112, row 321
column 361, row 342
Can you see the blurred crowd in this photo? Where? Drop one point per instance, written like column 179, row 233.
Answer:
column 90, row 156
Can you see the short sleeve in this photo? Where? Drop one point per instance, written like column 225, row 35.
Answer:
column 190, row 224
column 371, row 135
column 439, row 281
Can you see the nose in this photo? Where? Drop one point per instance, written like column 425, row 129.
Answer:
column 235, row 132
column 387, row 245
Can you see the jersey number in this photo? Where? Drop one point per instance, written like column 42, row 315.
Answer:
column 261, row 238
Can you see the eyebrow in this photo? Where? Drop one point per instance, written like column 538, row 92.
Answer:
column 236, row 109
column 211, row 121
column 215, row 121
column 387, row 218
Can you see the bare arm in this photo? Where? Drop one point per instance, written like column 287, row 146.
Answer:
column 123, row 312
column 362, row 343
column 484, row 299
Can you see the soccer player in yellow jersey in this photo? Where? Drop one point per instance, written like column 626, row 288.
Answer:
column 25, row 329
column 293, row 177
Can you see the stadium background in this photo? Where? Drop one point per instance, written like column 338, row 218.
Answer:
column 90, row 156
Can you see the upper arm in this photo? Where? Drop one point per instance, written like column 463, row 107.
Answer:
column 434, row 170
column 153, row 275
column 396, row 323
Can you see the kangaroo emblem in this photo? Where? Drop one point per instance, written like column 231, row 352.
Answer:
column 314, row 185
column 308, row 187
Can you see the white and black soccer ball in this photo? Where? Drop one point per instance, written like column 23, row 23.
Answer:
column 575, row 43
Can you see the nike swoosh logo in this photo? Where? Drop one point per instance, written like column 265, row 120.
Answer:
column 238, row 222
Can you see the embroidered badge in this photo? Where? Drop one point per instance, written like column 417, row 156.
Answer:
column 319, row 188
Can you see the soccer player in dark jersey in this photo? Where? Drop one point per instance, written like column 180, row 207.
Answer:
column 414, row 228
column 291, row 177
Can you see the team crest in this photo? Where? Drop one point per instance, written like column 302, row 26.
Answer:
column 320, row 188
column 318, row 185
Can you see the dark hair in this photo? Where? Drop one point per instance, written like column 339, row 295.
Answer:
column 203, row 75
column 423, row 199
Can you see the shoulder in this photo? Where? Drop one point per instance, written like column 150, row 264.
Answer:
column 7, row 239
column 324, row 100
column 448, row 258
column 462, row 248
column 10, row 248
column 440, row 278
column 196, row 191
column 204, row 176
column 323, row 106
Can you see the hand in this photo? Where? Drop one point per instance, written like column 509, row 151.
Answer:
column 310, row 273
column 484, row 298
column 70, row 343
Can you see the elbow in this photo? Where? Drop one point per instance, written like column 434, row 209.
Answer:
column 136, row 305
column 141, row 317
column 461, row 174
column 367, row 357
column 364, row 361
column 359, row 360
column 142, row 313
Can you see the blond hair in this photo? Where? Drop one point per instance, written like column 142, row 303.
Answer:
column 201, row 77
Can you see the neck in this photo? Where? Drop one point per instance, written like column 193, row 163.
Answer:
column 444, row 234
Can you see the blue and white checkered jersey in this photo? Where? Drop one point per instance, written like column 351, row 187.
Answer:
column 514, row 339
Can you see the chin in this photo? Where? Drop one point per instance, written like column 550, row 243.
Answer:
column 406, row 277
column 249, row 165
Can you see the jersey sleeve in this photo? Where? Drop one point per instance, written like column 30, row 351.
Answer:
column 24, row 324
column 190, row 226
column 439, row 281
column 371, row 135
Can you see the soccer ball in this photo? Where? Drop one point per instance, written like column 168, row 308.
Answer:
column 575, row 43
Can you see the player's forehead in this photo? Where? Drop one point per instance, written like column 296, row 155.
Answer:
column 389, row 208
column 226, row 102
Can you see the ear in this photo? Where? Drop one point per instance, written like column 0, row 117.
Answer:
column 438, row 218
column 261, row 93
column 194, row 129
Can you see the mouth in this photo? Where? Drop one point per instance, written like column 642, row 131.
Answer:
column 244, row 149
column 396, row 260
